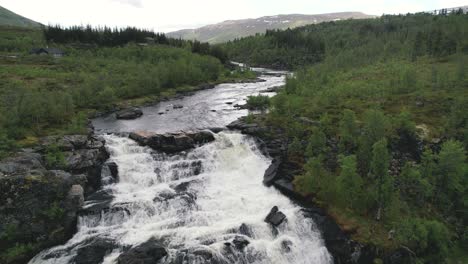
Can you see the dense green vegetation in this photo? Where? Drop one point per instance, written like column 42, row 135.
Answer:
column 107, row 37
column 40, row 95
column 353, row 43
column 378, row 120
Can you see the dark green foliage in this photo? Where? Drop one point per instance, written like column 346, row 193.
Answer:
column 352, row 43
column 258, row 102
column 54, row 158
column 429, row 239
column 316, row 143
column 375, row 125
column 382, row 181
column 6, row 144
column 414, row 187
column 451, row 177
column 55, row 212
column 314, row 177
column 295, row 147
column 20, row 253
column 348, row 131
column 109, row 37
column 349, row 183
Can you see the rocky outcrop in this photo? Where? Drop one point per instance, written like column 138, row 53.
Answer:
column 129, row 113
column 43, row 189
column 147, row 253
column 275, row 217
column 173, row 142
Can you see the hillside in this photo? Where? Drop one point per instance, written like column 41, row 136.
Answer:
column 232, row 29
column 376, row 123
column 8, row 18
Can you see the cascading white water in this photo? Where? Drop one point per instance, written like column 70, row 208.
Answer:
column 195, row 202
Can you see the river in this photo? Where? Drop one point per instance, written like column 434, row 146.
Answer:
column 206, row 205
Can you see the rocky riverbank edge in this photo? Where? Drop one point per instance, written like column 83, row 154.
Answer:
column 42, row 190
column 273, row 143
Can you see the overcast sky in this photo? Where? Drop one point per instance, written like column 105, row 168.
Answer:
column 170, row 15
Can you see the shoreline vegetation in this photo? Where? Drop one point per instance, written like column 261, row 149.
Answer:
column 376, row 124
column 43, row 95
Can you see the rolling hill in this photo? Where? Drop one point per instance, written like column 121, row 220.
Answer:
column 8, row 18
column 232, row 29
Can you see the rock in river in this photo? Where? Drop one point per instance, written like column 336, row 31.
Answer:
column 275, row 217
column 146, row 253
column 172, row 142
column 130, row 113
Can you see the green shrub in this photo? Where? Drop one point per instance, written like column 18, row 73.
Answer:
column 258, row 102
column 54, row 157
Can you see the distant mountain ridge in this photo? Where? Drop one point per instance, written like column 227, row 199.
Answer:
column 9, row 18
column 232, row 29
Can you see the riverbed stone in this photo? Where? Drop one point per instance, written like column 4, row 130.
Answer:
column 173, row 142
column 147, row 253
column 130, row 113
column 275, row 217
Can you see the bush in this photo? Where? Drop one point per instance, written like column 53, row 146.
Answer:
column 54, row 157
column 429, row 239
column 258, row 102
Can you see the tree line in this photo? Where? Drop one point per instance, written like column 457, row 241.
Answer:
column 408, row 36
column 113, row 37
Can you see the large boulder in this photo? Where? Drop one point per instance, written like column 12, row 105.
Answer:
column 275, row 217
column 172, row 142
column 147, row 253
column 271, row 174
column 129, row 113
column 93, row 251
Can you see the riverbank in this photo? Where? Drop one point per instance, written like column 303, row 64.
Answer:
column 341, row 239
column 46, row 181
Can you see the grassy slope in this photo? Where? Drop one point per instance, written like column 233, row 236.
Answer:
column 8, row 18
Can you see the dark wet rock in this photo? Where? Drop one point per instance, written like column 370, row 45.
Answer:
column 252, row 80
column 149, row 252
column 245, row 230
column 173, row 142
column 97, row 202
column 240, row 242
column 161, row 113
column 94, row 250
column 229, row 103
column 337, row 243
column 109, row 173
column 273, row 89
column 205, row 87
column 275, row 217
column 271, row 174
column 177, row 106
column 286, row 187
column 286, row 245
column 20, row 163
column 130, row 113
column 244, row 106
column 216, row 130
column 26, row 196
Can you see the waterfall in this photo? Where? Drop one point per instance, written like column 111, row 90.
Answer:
column 196, row 203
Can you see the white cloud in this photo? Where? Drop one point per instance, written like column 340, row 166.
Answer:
column 168, row 15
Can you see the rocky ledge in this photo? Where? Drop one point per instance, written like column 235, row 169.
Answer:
column 173, row 142
column 280, row 174
column 129, row 113
column 43, row 189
